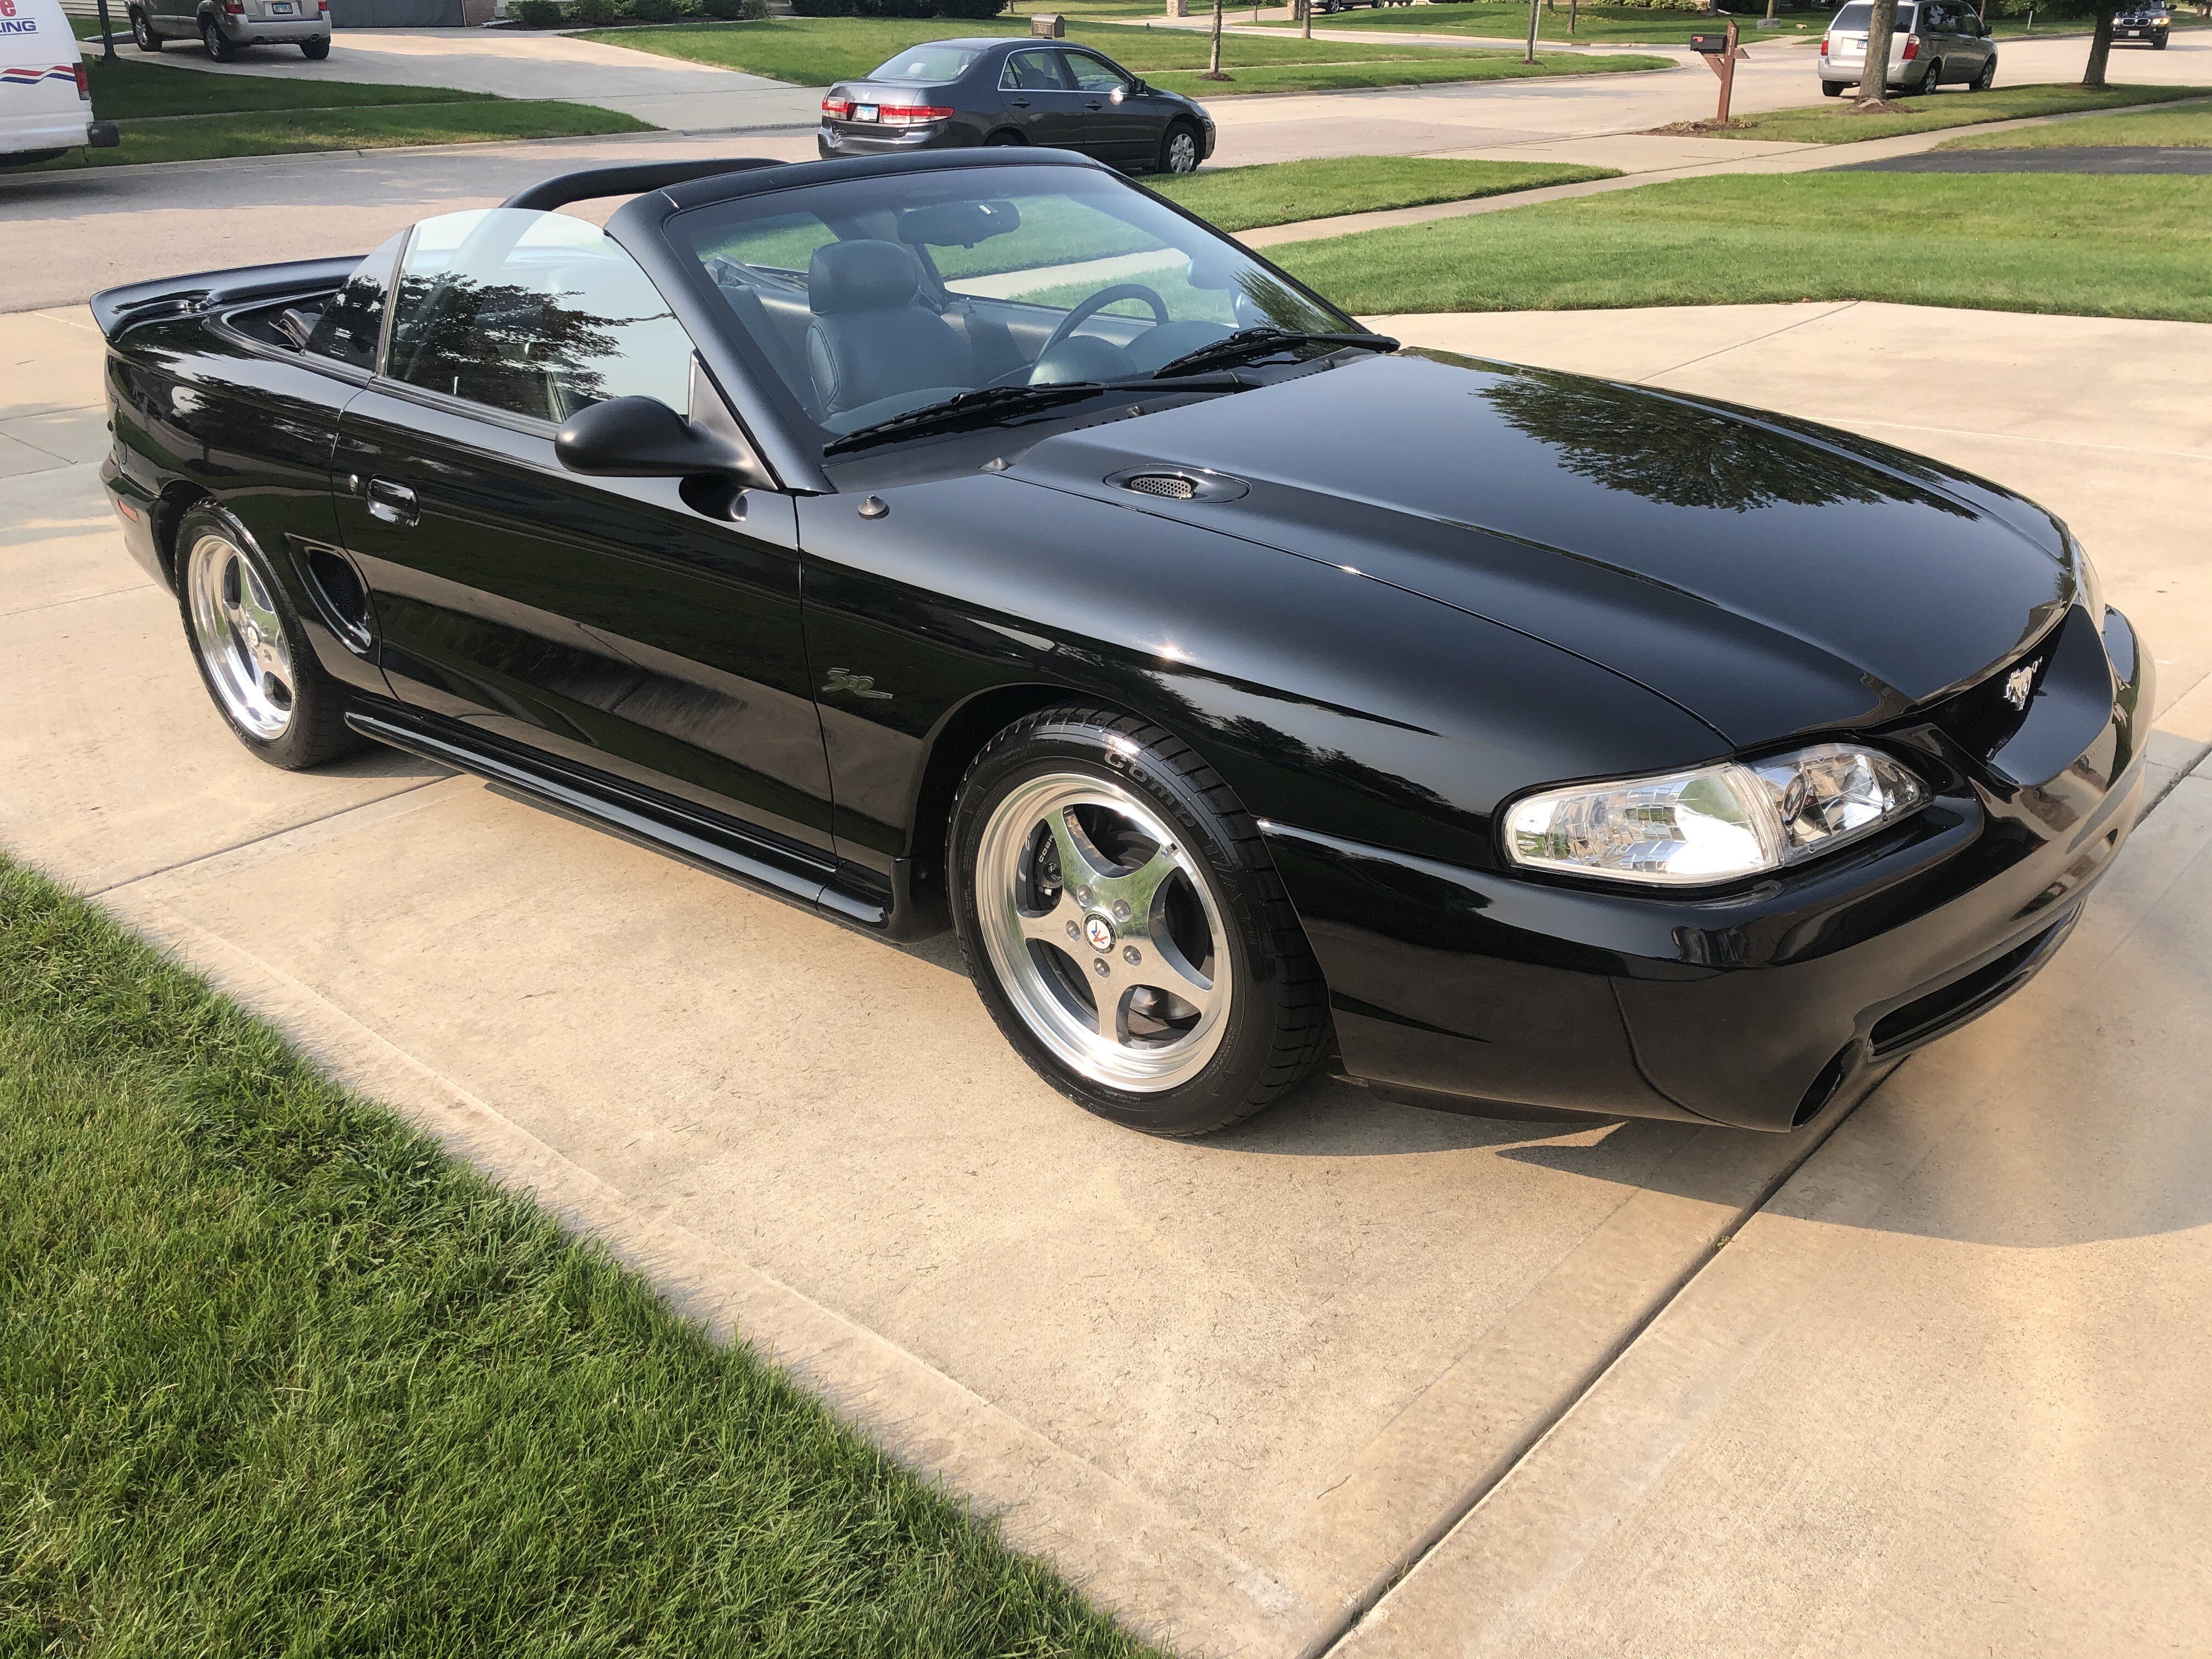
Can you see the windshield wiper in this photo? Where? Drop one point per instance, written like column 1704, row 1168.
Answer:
column 977, row 408
column 1249, row 343
column 987, row 404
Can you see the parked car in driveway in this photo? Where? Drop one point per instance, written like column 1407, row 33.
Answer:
column 45, row 98
column 226, row 27
column 2151, row 23
column 1937, row 43
column 977, row 539
column 957, row 94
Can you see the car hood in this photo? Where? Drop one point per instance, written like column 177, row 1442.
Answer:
column 1767, row 575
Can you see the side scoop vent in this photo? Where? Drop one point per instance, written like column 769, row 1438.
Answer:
column 1181, row 484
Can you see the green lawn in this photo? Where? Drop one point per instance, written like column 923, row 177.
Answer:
column 2107, row 247
column 2189, row 128
column 130, row 90
column 1240, row 198
column 277, row 1377
column 1633, row 24
column 179, row 115
column 811, row 52
column 1832, row 122
column 278, row 132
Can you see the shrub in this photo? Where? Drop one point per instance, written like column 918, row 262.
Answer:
column 970, row 8
column 537, row 14
column 595, row 13
column 653, row 11
column 730, row 11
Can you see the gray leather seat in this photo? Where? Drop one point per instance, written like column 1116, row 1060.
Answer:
column 872, row 336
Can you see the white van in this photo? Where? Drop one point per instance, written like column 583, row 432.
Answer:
column 45, row 105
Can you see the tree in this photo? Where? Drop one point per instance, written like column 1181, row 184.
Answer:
column 1873, row 76
column 2100, row 46
column 1214, row 56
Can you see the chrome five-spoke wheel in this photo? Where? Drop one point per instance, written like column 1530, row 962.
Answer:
column 1102, row 929
column 239, row 636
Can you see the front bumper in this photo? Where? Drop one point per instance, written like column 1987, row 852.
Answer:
column 1755, row 1008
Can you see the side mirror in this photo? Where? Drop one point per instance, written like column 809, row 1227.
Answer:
column 643, row 438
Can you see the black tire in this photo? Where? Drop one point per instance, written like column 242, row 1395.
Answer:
column 1276, row 1025
column 317, row 50
column 316, row 731
column 1832, row 89
column 218, row 45
column 1004, row 141
column 142, row 32
column 1180, row 148
column 1987, row 78
column 1932, row 81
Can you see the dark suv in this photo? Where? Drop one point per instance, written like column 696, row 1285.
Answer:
column 956, row 95
column 2150, row 23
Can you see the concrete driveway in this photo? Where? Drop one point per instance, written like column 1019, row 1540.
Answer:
column 1236, row 1388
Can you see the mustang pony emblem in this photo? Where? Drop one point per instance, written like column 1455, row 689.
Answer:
column 860, row 685
column 2019, row 683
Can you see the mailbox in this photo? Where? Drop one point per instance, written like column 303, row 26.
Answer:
column 1711, row 44
column 1047, row 25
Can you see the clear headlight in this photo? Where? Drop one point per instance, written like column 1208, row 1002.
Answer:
column 1716, row 823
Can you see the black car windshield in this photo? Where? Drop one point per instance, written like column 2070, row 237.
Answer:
column 1853, row 19
column 868, row 298
column 924, row 66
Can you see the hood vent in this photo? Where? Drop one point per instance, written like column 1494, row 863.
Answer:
column 1183, row 484
column 1173, row 485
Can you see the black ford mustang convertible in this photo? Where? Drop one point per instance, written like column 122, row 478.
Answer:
column 974, row 538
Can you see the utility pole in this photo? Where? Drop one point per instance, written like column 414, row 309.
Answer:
column 107, row 35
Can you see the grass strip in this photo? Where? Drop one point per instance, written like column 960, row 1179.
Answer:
column 278, row 1376
column 128, row 91
column 812, row 52
column 278, row 132
column 1338, row 77
column 1280, row 192
column 2090, row 245
column 2179, row 129
column 1833, row 123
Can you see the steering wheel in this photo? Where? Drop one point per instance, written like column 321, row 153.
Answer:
column 1084, row 312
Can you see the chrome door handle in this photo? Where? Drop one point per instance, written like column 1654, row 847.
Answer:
column 394, row 503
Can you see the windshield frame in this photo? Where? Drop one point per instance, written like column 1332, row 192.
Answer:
column 788, row 443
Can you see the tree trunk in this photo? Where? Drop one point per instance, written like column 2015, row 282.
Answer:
column 1305, row 18
column 2101, row 48
column 1531, row 58
column 1873, row 78
column 1571, row 4
column 1213, row 56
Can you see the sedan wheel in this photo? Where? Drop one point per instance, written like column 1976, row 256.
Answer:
column 1179, row 154
column 251, row 650
column 1126, row 927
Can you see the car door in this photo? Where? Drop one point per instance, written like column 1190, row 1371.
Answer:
column 1041, row 101
column 601, row 622
column 1117, row 124
column 175, row 17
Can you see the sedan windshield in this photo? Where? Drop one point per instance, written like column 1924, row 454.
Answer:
column 923, row 65
column 868, row 299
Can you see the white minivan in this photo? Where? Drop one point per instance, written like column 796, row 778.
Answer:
column 45, row 103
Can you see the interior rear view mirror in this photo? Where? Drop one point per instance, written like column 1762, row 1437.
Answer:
column 958, row 224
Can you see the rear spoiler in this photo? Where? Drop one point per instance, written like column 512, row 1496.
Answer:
column 633, row 180
column 118, row 309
